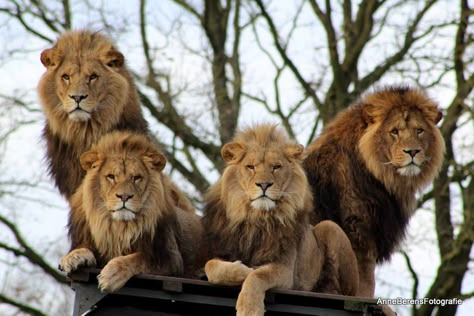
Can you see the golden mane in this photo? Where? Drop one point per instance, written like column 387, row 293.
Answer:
column 257, row 141
column 111, row 237
column 379, row 106
column 126, row 215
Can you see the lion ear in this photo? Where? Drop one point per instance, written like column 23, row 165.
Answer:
column 156, row 160
column 438, row 118
column 114, row 59
column 89, row 160
column 294, row 151
column 368, row 113
column 49, row 57
column 232, row 152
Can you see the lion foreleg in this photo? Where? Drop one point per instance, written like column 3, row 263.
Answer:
column 251, row 298
column 226, row 273
column 81, row 257
column 119, row 270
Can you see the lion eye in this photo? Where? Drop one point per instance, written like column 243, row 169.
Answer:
column 137, row 178
column 250, row 167
column 394, row 131
column 419, row 131
column 276, row 166
column 111, row 177
column 65, row 77
column 93, row 77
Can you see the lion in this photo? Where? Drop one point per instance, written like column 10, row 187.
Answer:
column 132, row 224
column 256, row 224
column 368, row 164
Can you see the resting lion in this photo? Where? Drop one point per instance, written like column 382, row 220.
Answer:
column 132, row 225
column 257, row 228
column 366, row 167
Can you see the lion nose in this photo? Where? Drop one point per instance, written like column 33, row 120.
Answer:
column 412, row 152
column 264, row 185
column 124, row 197
column 78, row 97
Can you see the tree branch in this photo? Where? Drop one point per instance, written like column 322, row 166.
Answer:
column 29, row 253
column 286, row 59
column 22, row 307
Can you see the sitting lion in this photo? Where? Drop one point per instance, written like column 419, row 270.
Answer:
column 131, row 224
column 257, row 228
column 366, row 167
column 86, row 92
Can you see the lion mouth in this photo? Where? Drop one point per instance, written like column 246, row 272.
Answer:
column 79, row 114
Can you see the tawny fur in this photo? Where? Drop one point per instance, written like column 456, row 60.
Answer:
column 86, row 65
column 142, row 233
column 360, row 174
column 257, row 228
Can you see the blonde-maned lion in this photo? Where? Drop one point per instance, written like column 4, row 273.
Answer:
column 368, row 164
column 257, row 228
column 128, row 217
column 86, row 92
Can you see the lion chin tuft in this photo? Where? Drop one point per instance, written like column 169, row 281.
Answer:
column 123, row 215
column 409, row 171
column 79, row 116
column 263, row 203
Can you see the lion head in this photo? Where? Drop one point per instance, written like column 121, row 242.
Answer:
column 401, row 145
column 124, row 194
column 263, row 175
column 85, row 80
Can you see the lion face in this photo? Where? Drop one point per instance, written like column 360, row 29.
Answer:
column 408, row 140
column 83, row 77
column 81, row 88
column 401, row 138
column 123, row 187
column 264, row 177
column 122, row 182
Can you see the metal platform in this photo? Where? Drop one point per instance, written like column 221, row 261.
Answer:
column 146, row 295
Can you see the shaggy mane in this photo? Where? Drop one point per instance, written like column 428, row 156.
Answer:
column 115, row 238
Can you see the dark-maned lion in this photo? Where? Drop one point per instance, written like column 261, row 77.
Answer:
column 366, row 167
column 257, row 228
column 130, row 223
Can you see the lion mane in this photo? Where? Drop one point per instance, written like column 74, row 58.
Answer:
column 367, row 165
column 256, row 224
column 127, row 211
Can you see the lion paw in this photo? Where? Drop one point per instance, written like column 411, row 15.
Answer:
column 226, row 273
column 250, row 304
column 114, row 275
column 77, row 258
